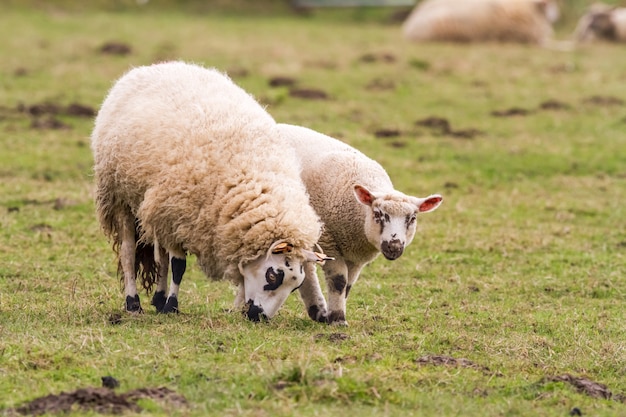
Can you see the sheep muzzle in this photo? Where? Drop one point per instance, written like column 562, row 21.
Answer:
column 392, row 249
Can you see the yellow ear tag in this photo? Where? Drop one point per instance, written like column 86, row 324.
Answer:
column 283, row 247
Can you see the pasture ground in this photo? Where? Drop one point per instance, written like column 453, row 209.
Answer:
column 509, row 302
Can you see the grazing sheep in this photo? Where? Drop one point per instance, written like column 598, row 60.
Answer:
column 602, row 22
column 525, row 21
column 188, row 162
column 363, row 214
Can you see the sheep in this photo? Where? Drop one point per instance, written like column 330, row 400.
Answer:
column 186, row 162
column 524, row 21
column 363, row 214
column 602, row 22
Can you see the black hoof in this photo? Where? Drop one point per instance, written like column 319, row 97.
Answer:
column 317, row 314
column 159, row 300
column 337, row 318
column 171, row 306
column 133, row 305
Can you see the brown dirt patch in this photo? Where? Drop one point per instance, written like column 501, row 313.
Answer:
column 281, row 82
column 588, row 387
column 49, row 123
column 53, row 109
column 442, row 360
column 553, row 105
column 513, row 111
column 397, row 144
column 387, row 133
column 115, row 48
column 443, row 127
column 605, row 101
column 465, row 133
column 80, row 110
column 308, row 93
column 434, row 122
column 333, row 337
column 99, row 400
column 378, row 57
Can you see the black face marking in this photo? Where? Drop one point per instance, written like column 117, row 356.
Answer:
column 133, row 304
column 392, row 249
column 382, row 219
column 179, row 266
column 287, row 263
column 254, row 313
column 338, row 283
column 274, row 279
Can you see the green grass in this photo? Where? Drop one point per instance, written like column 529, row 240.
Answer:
column 522, row 269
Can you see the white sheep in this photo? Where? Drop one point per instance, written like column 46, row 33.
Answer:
column 602, row 22
column 363, row 214
column 526, row 21
column 188, row 162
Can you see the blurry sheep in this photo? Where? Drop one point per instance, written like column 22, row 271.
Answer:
column 602, row 22
column 524, row 21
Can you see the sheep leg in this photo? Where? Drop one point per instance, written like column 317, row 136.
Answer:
column 353, row 274
column 159, row 299
column 179, row 266
column 311, row 294
column 336, row 273
column 127, row 261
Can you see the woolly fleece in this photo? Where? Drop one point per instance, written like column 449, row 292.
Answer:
column 198, row 162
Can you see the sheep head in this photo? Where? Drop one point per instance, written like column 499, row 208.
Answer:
column 390, row 221
column 269, row 279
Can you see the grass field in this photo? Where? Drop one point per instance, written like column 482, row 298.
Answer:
column 509, row 302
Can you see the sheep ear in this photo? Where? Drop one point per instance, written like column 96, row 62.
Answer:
column 281, row 247
column 317, row 257
column 363, row 195
column 430, row 203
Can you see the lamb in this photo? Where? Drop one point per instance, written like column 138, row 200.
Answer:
column 363, row 214
column 602, row 22
column 186, row 162
column 524, row 21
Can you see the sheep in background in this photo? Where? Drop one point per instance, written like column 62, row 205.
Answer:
column 363, row 214
column 525, row 21
column 188, row 162
column 602, row 22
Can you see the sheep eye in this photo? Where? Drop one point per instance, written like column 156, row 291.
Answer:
column 411, row 219
column 274, row 279
column 287, row 263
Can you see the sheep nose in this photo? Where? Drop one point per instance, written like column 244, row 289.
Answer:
column 392, row 249
column 255, row 313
